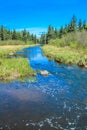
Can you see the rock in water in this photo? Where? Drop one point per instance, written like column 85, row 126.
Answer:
column 44, row 72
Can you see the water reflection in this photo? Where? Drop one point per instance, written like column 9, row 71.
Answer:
column 57, row 101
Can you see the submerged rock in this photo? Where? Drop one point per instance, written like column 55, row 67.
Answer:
column 44, row 72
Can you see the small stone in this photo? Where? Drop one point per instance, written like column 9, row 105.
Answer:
column 11, row 54
column 27, row 124
column 86, row 66
column 44, row 73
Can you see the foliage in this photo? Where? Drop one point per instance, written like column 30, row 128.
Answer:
column 74, row 39
column 67, row 35
column 6, row 34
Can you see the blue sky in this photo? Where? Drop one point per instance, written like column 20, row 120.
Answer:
column 36, row 15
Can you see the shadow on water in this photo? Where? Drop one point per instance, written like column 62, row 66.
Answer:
column 55, row 102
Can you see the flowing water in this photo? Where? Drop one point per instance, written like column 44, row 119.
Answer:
column 54, row 102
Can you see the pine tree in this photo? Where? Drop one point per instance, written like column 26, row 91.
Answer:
column 73, row 25
column 55, row 33
column 50, row 33
column 14, row 35
column 35, row 39
column 2, row 37
column 43, row 39
column 65, row 29
column 84, row 25
column 61, row 32
column 24, row 35
column 80, row 25
column 28, row 36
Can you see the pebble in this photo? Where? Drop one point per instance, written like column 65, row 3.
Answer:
column 27, row 124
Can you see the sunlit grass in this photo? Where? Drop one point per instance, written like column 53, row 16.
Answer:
column 7, row 50
column 15, row 42
column 13, row 68
column 66, row 54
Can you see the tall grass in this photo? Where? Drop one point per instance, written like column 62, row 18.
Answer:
column 15, row 42
column 66, row 54
column 7, row 50
column 14, row 68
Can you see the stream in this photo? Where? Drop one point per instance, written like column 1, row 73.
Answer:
column 54, row 102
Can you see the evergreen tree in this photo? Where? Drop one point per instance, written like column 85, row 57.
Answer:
column 43, row 39
column 65, row 30
column 69, row 28
column 35, row 39
column 24, row 35
column 73, row 24
column 6, row 34
column 61, row 32
column 55, row 33
column 14, row 35
column 80, row 25
column 28, row 36
column 50, row 33
column 32, row 37
column 2, row 37
column 85, row 25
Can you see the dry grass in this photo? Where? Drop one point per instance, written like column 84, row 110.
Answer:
column 6, row 50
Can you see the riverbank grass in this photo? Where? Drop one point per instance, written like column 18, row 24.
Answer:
column 66, row 55
column 13, row 68
column 9, row 50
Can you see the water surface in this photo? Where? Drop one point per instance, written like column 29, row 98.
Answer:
column 55, row 102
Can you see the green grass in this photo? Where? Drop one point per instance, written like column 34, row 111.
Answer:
column 7, row 50
column 66, row 54
column 15, row 42
column 13, row 68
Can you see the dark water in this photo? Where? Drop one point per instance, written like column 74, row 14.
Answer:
column 55, row 102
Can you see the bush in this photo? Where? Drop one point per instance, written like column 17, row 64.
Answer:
column 74, row 40
column 82, row 38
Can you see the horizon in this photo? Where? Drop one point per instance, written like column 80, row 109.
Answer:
column 36, row 16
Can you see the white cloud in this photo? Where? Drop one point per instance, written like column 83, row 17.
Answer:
column 37, row 31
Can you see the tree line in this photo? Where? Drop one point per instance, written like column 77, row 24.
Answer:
column 6, row 34
column 73, row 26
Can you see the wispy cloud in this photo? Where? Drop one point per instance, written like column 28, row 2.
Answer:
column 37, row 31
